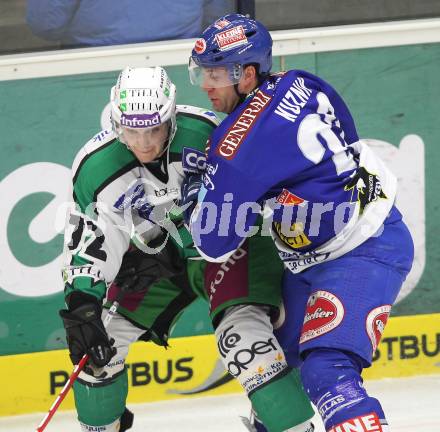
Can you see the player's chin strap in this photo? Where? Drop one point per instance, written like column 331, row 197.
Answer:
column 166, row 145
column 243, row 96
column 165, row 148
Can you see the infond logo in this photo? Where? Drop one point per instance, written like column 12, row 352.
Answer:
column 140, row 120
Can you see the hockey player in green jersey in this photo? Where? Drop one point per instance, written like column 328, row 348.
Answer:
column 126, row 229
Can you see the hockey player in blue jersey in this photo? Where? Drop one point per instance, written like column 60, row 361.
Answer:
column 289, row 149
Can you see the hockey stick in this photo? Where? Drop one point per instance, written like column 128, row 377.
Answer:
column 79, row 367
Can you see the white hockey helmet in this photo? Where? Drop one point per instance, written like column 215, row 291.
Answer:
column 143, row 98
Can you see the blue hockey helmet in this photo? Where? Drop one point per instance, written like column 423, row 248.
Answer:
column 228, row 45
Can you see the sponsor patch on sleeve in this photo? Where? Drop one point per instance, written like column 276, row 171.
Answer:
column 288, row 198
column 193, row 160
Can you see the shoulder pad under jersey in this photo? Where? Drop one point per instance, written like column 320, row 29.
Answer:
column 202, row 113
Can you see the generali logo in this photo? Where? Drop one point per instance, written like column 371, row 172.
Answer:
column 234, row 137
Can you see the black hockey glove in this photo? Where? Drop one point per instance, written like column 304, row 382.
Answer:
column 86, row 333
column 139, row 270
column 189, row 191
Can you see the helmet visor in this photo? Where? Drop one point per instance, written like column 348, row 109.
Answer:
column 214, row 76
column 145, row 139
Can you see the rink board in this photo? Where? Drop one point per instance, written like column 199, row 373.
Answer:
column 190, row 366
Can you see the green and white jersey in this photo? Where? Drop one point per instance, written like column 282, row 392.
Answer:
column 116, row 197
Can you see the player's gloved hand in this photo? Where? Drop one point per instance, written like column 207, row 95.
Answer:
column 86, row 333
column 139, row 270
column 189, row 190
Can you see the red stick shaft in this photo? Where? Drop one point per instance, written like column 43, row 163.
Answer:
column 76, row 371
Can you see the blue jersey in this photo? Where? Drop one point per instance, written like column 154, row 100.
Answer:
column 291, row 149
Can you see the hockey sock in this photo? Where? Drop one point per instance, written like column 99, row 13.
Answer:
column 282, row 403
column 103, row 403
column 332, row 380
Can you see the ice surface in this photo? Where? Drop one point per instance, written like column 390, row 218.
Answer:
column 411, row 404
